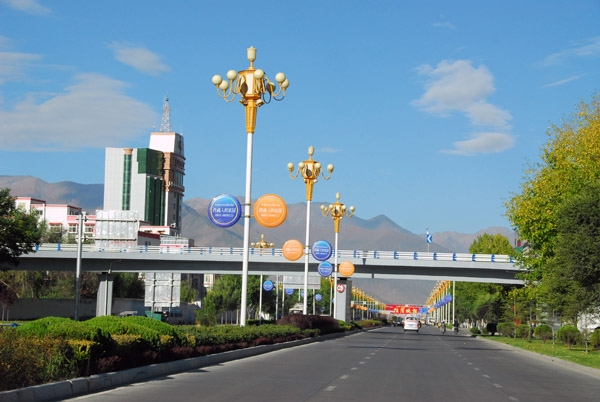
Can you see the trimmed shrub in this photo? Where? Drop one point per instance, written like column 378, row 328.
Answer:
column 543, row 332
column 484, row 331
column 475, row 331
column 31, row 360
column 507, row 329
column 179, row 337
column 325, row 324
column 492, row 328
column 111, row 325
column 569, row 335
column 523, row 331
column 595, row 340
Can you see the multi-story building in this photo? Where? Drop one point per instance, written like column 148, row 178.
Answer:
column 60, row 218
column 149, row 180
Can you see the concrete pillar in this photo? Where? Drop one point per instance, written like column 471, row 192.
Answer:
column 342, row 300
column 104, row 299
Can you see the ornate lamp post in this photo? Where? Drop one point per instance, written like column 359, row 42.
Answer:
column 337, row 210
column 262, row 244
column 255, row 90
column 310, row 170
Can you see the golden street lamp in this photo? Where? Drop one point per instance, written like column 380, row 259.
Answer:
column 337, row 211
column 310, row 171
column 262, row 244
column 256, row 90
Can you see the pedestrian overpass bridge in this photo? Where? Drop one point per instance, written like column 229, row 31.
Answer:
column 228, row 260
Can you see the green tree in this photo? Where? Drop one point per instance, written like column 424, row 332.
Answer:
column 19, row 231
column 491, row 244
column 577, row 251
column 569, row 161
column 483, row 301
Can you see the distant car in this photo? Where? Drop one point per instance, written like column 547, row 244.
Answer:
column 128, row 313
column 411, row 324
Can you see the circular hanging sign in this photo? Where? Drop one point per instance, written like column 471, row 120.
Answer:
column 325, row 269
column 268, row 286
column 292, row 250
column 448, row 298
column 321, row 250
column 346, row 268
column 270, row 210
column 340, row 288
column 224, row 210
column 318, row 297
column 289, row 292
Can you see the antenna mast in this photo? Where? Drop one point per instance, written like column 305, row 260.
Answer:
column 165, row 125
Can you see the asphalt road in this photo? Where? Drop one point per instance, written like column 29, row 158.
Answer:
column 380, row 365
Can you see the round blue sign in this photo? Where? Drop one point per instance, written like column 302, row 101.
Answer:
column 289, row 292
column 325, row 269
column 268, row 286
column 448, row 298
column 224, row 210
column 318, row 297
column 321, row 250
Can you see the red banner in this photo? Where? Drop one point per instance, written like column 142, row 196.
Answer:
column 402, row 308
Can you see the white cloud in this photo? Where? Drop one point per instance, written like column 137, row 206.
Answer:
column 458, row 86
column 139, row 58
column 483, row 143
column 562, row 82
column 588, row 48
column 445, row 24
column 13, row 65
column 28, row 6
column 92, row 113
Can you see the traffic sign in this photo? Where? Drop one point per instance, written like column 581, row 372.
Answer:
column 429, row 238
column 318, row 297
column 289, row 292
column 268, row 286
column 340, row 288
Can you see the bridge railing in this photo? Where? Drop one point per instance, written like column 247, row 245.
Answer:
column 208, row 250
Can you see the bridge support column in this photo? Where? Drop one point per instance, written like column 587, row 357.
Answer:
column 104, row 298
column 342, row 300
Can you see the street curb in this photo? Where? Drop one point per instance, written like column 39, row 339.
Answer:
column 84, row 385
column 563, row 363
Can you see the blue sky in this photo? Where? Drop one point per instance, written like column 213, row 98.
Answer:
column 429, row 110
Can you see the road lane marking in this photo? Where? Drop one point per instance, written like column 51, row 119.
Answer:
column 368, row 357
column 361, row 362
column 344, row 377
column 330, row 388
column 476, row 368
column 512, row 398
column 486, row 376
column 469, row 363
column 354, row 368
column 497, row 385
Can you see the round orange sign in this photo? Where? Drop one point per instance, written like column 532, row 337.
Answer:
column 292, row 250
column 346, row 268
column 270, row 210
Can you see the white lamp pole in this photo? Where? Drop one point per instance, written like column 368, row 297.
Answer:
column 255, row 90
column 310, row 170
column 337, row 210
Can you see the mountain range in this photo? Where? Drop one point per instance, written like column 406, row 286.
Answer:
column 378, row 233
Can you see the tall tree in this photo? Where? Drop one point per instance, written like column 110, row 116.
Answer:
column 569, row 161
column 19, row 231
column 577, row 251
column 483, row 301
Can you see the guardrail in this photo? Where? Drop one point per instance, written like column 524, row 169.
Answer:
column 376, row 254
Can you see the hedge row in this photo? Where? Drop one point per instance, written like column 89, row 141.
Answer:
column 53, row 349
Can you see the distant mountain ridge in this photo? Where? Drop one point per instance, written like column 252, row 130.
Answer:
column 378, row 233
